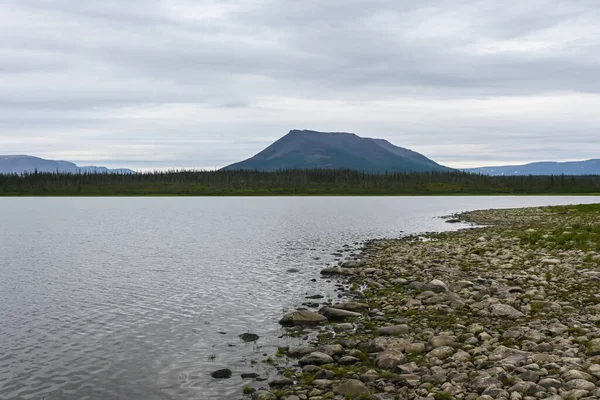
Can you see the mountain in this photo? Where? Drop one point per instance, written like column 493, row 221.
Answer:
column 304, row 149
column 21, row 163
column 588, row 167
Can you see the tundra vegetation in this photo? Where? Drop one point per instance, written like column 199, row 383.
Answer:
column 288, row 182
column 510, row 310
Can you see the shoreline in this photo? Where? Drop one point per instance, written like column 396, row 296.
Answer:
column 510, row 310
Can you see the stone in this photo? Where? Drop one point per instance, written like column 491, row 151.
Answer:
column 510, row 355
column 504, row 311
column 316, row 358
column 352, row 389
column 330, row 349
column 437, row 286
column 222, row 374
column 484, row 382
column 575, row 374
column 322, row 383
column 281, row 382
column 441, row 352
column 263, row 395
column 394, row 330
column 353, row 264
column 302, row 317
column 389, row 359
column 300, row 351
column 580, row 384
column 336, row 313
column 336, row 271
column 348, row 360
column 249, row 337
column 415, row 348
column 325, row 374
column 593, row 347
column 550, row 383
column 384, row 343
column 352, row 306
column 443, row 340
column 251, row 375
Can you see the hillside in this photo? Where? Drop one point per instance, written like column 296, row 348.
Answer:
column 305, row 149
column 18, row 164
column 588, row 167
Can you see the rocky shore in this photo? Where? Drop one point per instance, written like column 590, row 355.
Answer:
column 507, row 311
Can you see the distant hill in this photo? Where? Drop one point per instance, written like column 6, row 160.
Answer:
column 304, row 149
column 19, row 164
column 588, row 167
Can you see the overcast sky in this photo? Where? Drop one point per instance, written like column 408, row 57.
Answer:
column 193, row 83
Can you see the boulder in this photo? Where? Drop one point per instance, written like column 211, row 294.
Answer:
column 337, row 314
column 222, row 374
column 316, row 358
column 390, row 359
column 352, row 389
column 505, row 311
column 394, row 330
column 336, row 271
column 263, row 395
column 249, row 337
column 302, row 317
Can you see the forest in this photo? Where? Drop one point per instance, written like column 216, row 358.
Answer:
column 288, row 182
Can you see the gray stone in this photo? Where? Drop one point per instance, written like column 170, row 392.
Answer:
column 263, row 395
column 443, row 340
column 394, row 330
column 330, row 349
column 300, row 351
column 336, row 313
column 302, row 317
column 316, row 358
column 580, row 384
column 504, row 311
column 593, row 347
column 352, row 389
column 348, row 360
column 441, row 352
column 389, row 359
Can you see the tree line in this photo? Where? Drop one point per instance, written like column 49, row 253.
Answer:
column 289, row 182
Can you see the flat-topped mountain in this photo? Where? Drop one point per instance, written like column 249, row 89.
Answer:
column 18, row 164
column 588, row 167
column 305, row 149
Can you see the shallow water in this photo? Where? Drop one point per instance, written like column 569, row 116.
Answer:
column 142, row 298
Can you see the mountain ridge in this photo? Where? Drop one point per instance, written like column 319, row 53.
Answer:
column 308, row 149
column 22, row 163
column 585, row 167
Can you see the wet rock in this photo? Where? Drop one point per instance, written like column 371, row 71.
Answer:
column 302, row 317
column 336, row 271
column 251, row 375
column 222, row 374
column 281, row 383
column 352, row 389
column 337, row 314
column 352, row 306
column 353, row 264
column 263, row 395
column 249, row 337
column 316, row 358
column 292, row 270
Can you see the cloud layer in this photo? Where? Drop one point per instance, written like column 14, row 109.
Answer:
column 190, row 83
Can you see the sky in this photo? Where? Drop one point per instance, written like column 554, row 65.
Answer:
column 155, row 84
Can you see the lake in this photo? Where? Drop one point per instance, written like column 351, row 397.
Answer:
column 142, row 298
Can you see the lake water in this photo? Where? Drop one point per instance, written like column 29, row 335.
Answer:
column 142, row 298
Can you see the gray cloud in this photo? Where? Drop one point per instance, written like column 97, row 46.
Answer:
column 184, row 83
